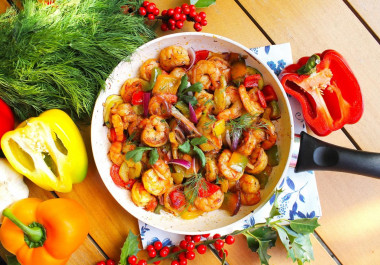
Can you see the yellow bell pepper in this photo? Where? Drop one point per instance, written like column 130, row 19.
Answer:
column 49, row 150
column 238, row 162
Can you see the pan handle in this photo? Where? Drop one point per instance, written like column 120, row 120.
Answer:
column 315, row 154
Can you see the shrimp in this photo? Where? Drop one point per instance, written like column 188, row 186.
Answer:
column 126, row 112
column 271, row 135
column 118, row 126
column 249, row 184
column 250, row 101
column 156, row 132
column 223, row 66
column 173, row 56
column 178, row 72
column 206, row 73
column 131, row 86
column 250, row 198
column 115, row 154
column 142, row 198
column 205, row 103
column 258, row 161
column 211, row 169
column 251, row 138
column 147, row 67
column 210, row 203
column 136, row 127
column 226, row 171
column 158, row 179
column 236, row 106
column 161, row 105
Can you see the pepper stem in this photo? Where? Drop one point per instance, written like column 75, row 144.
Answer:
column 34, row 234
column 310, row 66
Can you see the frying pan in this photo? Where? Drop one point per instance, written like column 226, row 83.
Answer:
column 213, row 221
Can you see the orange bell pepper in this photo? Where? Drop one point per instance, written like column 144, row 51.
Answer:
column 44, row 232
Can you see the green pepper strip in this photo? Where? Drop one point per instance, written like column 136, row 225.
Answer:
column 310, row 66
column 34, row 234
column 275, row 110
column 153, row 77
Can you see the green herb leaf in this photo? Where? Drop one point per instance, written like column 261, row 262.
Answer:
column 196, row 87
column 199, row 140
column 137, row 154
column 304, row 226
column 259, row 240
column 201, row 155
column 275, row 211
column 202, row 3
column 183, row 84
column 153, row 156
column 130, row 247
column 189, row 99
column 185, row 147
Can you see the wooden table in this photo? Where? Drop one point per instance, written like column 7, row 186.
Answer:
column 350, row 230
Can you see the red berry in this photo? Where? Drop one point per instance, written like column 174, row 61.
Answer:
column 197, row 26
column 157, row 262
column 186, row 10
column 183, row 262
column 152, row 253
column 192, row 14
column 151, row 16
column 206, row 235
column 192, row 7
column 196, row 238
column 184, row 6
column 204, row 22
column 182, row 256
column 198, row 18
column 164, row 252
column 170, row 12
column 172, row 27
column 190, row 255
column 110, row 262
column 150, row 8
column 177, row 16
column 157, row 245
column 221, row 253
column 171, row 22
column 188, row 238
column 145, row 3
column 175, row 249
column 183, row 17
column 164, row 12
column 150, row 248
column 216, row 236
column 219, row 244
column 132, row 260
column 202, row 15
column 201, row 249
column 174, row 262
column 190, row 246
column 230, row 240
column 101, row 263
column 183, row 244
column 164, row 27
column 142, row 262
column 156, row 11
column 142, row 11
column 177, row 10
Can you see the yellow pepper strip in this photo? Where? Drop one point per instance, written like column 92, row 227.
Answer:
column 238, row 162
column 49, row 150
column 219, row 127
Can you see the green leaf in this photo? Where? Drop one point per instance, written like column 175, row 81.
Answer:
column 183, row 84
column 153, row 156
column 199, row 140
column 130, row 247
column 137, row 154
column 189, row 99
column 196, row 87
column 202, row 3
column 201, row 155
column 275, row 208
column 284, row 237
column 304, row 225
column 12, row 260
column 259, row 240
column 185, row 147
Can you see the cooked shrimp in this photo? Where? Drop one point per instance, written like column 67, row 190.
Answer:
column 126, row 112
column 115, row 154
column 206, row 73
column 131, row 86
column 211, row 169
column 236, row 106
column 178, row 72
column 251, row 138
column 210, row 203
column 156, row 132
column 223, row 66
column 271, row 135
column 128, row 146
column 158, row 179
column 205, row 103
column 147, row 67
column 250, row 198
column 172, row 57
column 142, row 198
column 249, row 184
column 118, row 125
column 258, row 161
column 226, row 171
column 161, row 105
column 250, row 101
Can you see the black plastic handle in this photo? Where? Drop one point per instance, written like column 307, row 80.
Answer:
column 315, row 154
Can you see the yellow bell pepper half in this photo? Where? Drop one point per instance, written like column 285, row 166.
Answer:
column 49, row 150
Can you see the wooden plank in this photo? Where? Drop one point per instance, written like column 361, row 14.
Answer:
column 369, row 11
column 314, row 26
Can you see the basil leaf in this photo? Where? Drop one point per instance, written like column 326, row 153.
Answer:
column 137, row 154
column 130, row 247
column 202, row 3
column 185, row 147
column 199, row 140
column 201, row 155
column 304, row 226
column 153, row 156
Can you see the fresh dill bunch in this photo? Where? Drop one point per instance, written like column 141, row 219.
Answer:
column 59, row 56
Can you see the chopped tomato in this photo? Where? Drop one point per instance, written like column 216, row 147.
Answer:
column 114, row 172
column 207, row 189
column 261, row 99
column 177, row 199
column 137, row 98
column 269, row 93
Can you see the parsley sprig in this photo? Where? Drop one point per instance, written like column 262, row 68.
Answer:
column 183, row 90
column 186, row 147
column 136, row 155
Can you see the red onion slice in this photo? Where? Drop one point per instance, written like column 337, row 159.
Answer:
column 193, row 116
column 146, row 99
column 228, row 139
column 180, row 162
column 191, row 53
column 235, row 139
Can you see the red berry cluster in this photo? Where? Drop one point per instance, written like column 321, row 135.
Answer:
column 132, row 260
column 107, row 262
column 174, row 18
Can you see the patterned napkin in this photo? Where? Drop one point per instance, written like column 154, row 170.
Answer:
column 300, row 197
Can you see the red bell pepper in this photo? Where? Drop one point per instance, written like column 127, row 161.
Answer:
column 201, row 55
column 327, row 89
column 6, row 118
column 252, row 80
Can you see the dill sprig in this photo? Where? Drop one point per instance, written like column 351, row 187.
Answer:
column 192, row 186
column 59, row 56
column 244, row 122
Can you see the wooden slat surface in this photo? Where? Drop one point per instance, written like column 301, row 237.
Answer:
column 369, row 11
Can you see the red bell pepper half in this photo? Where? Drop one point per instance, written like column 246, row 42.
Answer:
column 6, row 118
column 327, row 89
